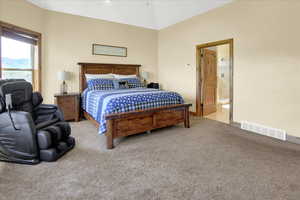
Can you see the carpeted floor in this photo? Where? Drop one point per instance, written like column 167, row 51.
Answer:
column 209, row 161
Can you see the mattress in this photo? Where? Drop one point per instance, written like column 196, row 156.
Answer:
column 99, row 103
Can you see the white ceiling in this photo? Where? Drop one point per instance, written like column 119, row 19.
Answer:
column 154, row 14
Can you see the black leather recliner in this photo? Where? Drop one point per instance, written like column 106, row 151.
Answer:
column 30, row 131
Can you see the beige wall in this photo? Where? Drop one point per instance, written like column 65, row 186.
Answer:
column 266, row 58
column 68, row 39
column 21, row 13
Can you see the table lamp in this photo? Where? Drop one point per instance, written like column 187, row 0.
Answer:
column 64, row 76
column 145, row 76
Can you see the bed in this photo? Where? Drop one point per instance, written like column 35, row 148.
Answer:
column 151, row 108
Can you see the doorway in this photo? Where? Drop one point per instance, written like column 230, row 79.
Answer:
column 215, row 81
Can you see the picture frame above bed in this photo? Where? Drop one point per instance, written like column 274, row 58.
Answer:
column 108, row 50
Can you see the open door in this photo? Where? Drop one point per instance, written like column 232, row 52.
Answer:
column 208, row 81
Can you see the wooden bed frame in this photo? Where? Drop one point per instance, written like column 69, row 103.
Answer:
column 130, row 123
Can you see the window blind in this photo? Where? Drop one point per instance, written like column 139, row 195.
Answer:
column 19, row 36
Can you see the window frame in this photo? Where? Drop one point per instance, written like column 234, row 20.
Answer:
column 24, row 35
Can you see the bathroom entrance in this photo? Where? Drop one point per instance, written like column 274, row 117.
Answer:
column 214, row 97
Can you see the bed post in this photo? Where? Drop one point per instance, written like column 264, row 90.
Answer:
column 187, row 117
column 109, row 134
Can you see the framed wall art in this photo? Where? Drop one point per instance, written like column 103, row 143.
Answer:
column 107, row 50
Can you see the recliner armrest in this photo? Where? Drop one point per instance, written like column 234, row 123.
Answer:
column 45, row 109
column 48, row 106
column 46, row 112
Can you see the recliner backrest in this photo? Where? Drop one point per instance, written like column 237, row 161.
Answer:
column 21, row 92
column 2, row 98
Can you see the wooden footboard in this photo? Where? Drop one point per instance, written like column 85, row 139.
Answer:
column 130, row 123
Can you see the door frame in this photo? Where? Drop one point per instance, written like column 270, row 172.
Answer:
column 198, row 78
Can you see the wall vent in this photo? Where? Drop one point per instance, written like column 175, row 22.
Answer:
column 264, row 130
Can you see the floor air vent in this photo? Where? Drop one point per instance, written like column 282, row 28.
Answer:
column 264, row 130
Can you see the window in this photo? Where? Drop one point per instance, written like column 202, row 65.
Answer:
column 17, row 64
column 20, row 50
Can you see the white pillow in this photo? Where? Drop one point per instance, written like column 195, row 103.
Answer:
column 96, row 76
column 119, row 76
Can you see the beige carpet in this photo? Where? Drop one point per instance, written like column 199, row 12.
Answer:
column 209, row 161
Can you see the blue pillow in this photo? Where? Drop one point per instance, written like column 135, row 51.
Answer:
column 100, row 84
column 120, row 84
column 133, row 82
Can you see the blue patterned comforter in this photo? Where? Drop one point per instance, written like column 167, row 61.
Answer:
column 99, row 103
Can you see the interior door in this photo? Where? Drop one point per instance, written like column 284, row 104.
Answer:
column 208, row 81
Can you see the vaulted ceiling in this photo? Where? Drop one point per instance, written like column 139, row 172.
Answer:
column 154, row 14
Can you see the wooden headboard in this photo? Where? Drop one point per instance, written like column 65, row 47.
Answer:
column 105, row 68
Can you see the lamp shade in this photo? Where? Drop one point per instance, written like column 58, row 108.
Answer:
column 145, row 75
column 63, row 75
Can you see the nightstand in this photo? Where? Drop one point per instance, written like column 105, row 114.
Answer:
column 69, row 104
